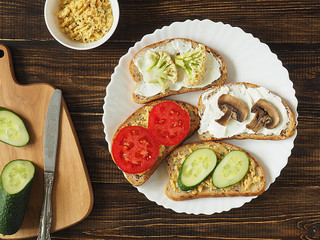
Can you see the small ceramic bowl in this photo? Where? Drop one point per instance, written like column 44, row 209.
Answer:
column 52, row 6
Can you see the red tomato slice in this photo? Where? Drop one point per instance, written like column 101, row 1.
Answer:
column 134, row 150
column 168, row 123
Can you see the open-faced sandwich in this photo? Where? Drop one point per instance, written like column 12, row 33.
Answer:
column 212, row 169
column 175, row 66
column 149, row 135
column 244, row 110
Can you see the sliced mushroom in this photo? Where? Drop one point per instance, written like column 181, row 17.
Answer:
column 266, row 115
column 232, row 107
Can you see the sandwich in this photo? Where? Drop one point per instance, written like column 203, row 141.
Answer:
column 144, row 140
column 212, row 169
column 244, row 111
column 175, row 66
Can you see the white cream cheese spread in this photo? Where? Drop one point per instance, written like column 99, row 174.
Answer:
column 249, row 96
column 148, row 89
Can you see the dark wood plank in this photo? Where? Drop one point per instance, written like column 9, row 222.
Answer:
column 290, row 207
column 116, row 217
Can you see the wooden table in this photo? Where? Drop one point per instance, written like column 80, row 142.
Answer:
column 290, row 209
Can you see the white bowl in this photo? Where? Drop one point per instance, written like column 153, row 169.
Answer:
column 52, row 6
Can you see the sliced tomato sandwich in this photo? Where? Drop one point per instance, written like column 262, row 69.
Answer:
column 149, row 135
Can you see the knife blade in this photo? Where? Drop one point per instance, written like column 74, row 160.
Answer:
column 51, row 132
column 50, row 146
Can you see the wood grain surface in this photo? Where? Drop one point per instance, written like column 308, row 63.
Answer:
column 290, row 209
column 72, row 196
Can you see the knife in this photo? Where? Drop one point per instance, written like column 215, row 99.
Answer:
column 50, row 145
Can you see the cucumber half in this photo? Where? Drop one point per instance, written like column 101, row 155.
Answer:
column 12, row 129
column 196, row 168
column 15, row 187
column 231, row 169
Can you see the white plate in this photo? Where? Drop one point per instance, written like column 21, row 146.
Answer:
column 247, row 60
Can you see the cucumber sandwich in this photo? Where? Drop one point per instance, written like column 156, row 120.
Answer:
column 212, row 169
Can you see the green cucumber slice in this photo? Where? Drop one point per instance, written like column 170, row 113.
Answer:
column 12, row 129
column 231, row 169
column 196, row 168
column 15, row 187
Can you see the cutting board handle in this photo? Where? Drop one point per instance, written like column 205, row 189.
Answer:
column 6, row 68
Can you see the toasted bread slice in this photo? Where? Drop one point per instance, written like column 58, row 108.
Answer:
column 140, row 118
column 249, row 94
column 251, row 185
column 209, row 80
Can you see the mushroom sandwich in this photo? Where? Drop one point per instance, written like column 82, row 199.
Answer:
column 244, row 110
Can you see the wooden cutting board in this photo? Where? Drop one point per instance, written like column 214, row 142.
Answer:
column 72, row 196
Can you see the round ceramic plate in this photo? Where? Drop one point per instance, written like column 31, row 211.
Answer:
column 247, row 60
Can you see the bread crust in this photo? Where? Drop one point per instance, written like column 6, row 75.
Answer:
column 286, row 133
column 137, row 76
column 136, row 119
column 173, row 164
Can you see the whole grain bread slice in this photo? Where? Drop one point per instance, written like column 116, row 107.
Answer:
column 140, row 118
column 287, row 132
column 252, row 184
column 138, row 77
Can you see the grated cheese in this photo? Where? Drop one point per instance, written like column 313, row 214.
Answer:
column 85, row 20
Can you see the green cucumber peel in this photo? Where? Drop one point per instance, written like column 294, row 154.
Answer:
column 15, row 188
